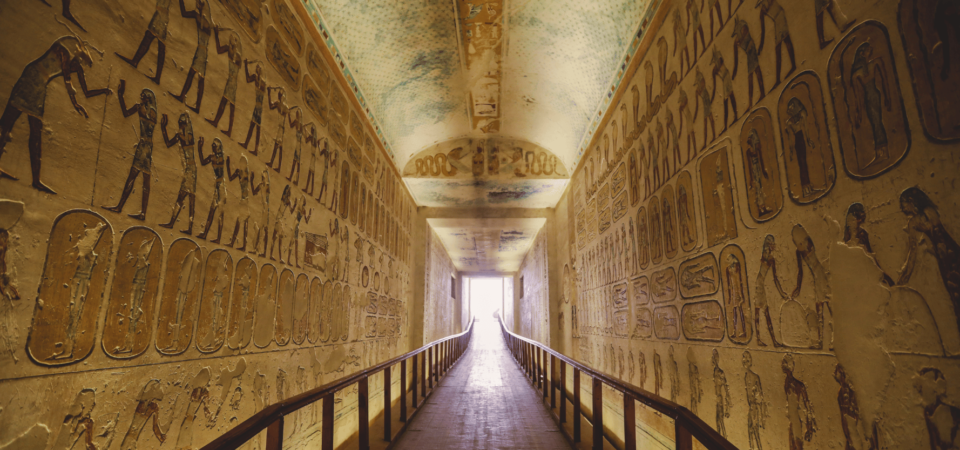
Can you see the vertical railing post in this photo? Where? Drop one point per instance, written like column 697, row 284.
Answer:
column 387, row 413
column 403, row 390
column 274, row 435
column 563, row 391
column 553, row 381
column 629, row 422
column 363, row 411
column 597, row 414
column 430, row 368
column 684, row 441
column 539, row 368
column 326, row 427
column 423, row 374
column 576, row 404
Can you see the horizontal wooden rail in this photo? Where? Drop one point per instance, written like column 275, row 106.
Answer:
column 436, row 357
column 538, row 360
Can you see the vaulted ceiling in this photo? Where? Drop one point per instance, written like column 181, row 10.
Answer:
column 519, row 73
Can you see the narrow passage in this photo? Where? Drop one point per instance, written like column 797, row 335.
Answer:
column 484, row 402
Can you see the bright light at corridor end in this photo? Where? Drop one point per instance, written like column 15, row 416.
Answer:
column 486, row 299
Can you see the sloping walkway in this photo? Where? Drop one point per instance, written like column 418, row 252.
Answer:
column 484, row 402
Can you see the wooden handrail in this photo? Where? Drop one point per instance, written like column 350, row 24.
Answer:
column 530, row 355
column 270, row 418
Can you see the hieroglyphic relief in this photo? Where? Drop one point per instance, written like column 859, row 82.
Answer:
column 760, row 168
column 736, row 294
column 180, row 298
column 68, row 302
column 265, row 305
column 214, row 301
column 699, row 276
column 242, row 305
column 811, row 171
column 703, row 321
column 129, row 326
column 718, row 202
column 874, row 135
column 663, row 285
column 666, row 322
column 282, row 58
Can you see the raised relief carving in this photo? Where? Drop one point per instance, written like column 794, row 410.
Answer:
column 644, row 326
column 266, row 307
column 703, row 321
column 315, row 101
column 180, row 298
column 621, row 310
column 761, row 171
column 686, row 216
column 285, row 306
column 871, row 119
column 214, row 301
column 666, row 322
column 656, row 242
column 699, row 276
column 619, row 206
column 663, row 285
column 736, row 294
column 810, row 167
column 248, row 14
column 668, row 214
column 64, row 324
column 289, row 25
column 930, row 35
column 718, row 204
column 282, row 58
column 301, row 309
column 618, row 179
column 643, row 239
column 315, row 312
column 242, row 307
column 128, row 327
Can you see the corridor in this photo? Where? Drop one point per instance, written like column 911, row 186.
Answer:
column 484, row 402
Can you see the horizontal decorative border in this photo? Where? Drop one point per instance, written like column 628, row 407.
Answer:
column 628, row 55
column 314, row 11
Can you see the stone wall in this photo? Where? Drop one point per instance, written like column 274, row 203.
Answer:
column 532, row 292
column 163, row 254
column 439, row 303
column 766, row 224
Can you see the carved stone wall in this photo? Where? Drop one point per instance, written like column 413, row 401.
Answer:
column 439, row 315
column 767, row 234
column 533, row 292
column 169, row 248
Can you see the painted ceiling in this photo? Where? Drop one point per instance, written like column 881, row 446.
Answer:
column 432, row 71
column 487, row 245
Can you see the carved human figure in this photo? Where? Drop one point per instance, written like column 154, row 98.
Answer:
column 799, row 407
column 798, row 139
column 673, row 136
column 313, row 141
column 767, row 264
column 199, row 396
column 871, row 96
column 758, row 175
column 771, row 9
column 87, row 260
column 693, row 23
column 942, row 418
column 644, row 242
column 188, row 279
column 286, row 207
column 262, row 227
column 674, row 376
column 77, row 423
column 657, row 373
column 855, row 235
column 328, row 162
column 246, row 181
column 706, row 101
column 807, row 256
column 693, row 372
column 229, row 98
column 284, row 111
column 683, row 109
column 729, row 98
column 260, row 88
column 735, row 296
column 219, row 200
column 8, row 291
column 719, row 199
column 296, row 122
column 138, row 287
column 188, row 187
column 757, row 412
column 684, row 217
column 680, row 37
column 822, row 7
column 722, row 391
column 156, row 29
column 669, row 238
column 198, row 68
column 146, row 108
column 148, row 407
column 849, row 411
column 300, row 215
column 67, row 55
column 742, row 40
column 642, row 361
column 924, row 225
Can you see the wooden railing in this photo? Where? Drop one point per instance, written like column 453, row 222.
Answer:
column 533, row 359
column 435, row 359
